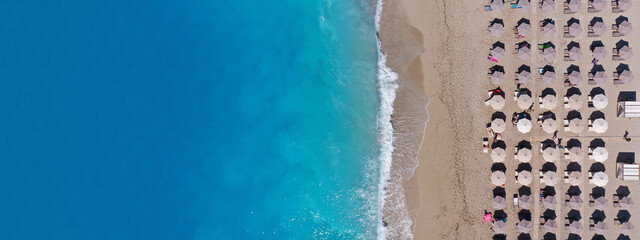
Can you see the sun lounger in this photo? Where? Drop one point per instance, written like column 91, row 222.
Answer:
column 617, row 34
column 487, row 7
column 614, row 7
column 617, row 82
column 591, row 9
column 616, row 55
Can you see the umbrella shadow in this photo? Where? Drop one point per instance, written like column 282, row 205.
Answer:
column 524, row 167
column 598, row 216
column 524, row 144
column 622, row 67
column 573, row 68
column 523, row 44
column 498, row 44
column 574, row 167
column 524, row 91
column 548, row 143
column 623, row 237
column 623, row 191
column 549, row 166
column 549, row 68
column 597, row 68
column 623, row 215
column 621, row 44
column 499, row 144
column 573, row 21
column 549, row 214
column 498, row 167
column 499, row 214
column 524, row 191
column 596, row 114
column 574, row 236
column 524, row 236
column 621, row 19
column 548, row 114
column 626, row 157
column 498, row 115
column 524, row 68
column 574, row 191
column 499, row 237
column 598, row 192
column 596, row 91
column 573, row 44
column 595, row 20
column 574, row 215
column 497, row 68
column 548, row 191
column 597, row 167
column 524, row 20
column 573, row 91
column 595, row 44
column 626, row 96
column 574, row 143
column 548, row 91
column 549, row 236
column 499, row 191
column 497, row 21
column 598, row 237
column 573, row 114
column 524, row 214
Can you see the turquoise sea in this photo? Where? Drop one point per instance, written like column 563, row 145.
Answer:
column 189, row 120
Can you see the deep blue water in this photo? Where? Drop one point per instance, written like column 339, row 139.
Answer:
column 188, row 120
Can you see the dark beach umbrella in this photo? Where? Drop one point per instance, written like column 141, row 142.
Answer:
column 575, row 28
column 574, row 5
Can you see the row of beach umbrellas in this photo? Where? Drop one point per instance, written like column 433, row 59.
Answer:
column 597, row 74
column 572, row 6
column 597, row 27
column 574, row 52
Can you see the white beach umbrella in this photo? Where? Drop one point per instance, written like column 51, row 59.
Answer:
column 525, row 155
column 498, row 154
column 496, row 29
column 550, row 226
column 598, row 28
column 600, row 154
column 600, row 77
column 549, row 77
column 550, row 202
column 549, row 54
column 575, row 29
column 575, row 101
column 598, row 5
column 550, row 154
column 524, row 226
column 575, row 53
column 625, row 76
column 498, row 125
column 576, row 154
column 524, row 29
column 576, row 202
column 626, row 203
column 497, row 53
column 524, row 125
column 574, row 5
column 600, row 203
column 497, row 77
column 525, row 202
column 625, row 52
column 627, row 228
column 549, row 125
column 496, row 102
column 499, row 202
column 599, row 52
column 600, row 179
column 548, row 5
column 524, row 101
column 625, row 27
column 600, row 125
column 575, row 77
column 601, row 228
column 600, row 101
column 498, row 178
column 524, row 53
column 525, row 177
column 549, row 29
column 575, row 178
column 624, row 5
column 550, row 178
column 497, row 5
column 576, row 125
column 500, row 227
column 576, row 227
column 524, row 5
column 549, row 102
column 524, row 77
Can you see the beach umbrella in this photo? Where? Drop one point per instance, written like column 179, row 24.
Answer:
column 624, row 5
column 575, row 101
column 550, row 226
column 600, row 77
column 548, row 5
column 626, row 202
column 524, row 125
column 600, row 101
column 625, row 52
column 549, row 77
column 601, row 228
column 575, row 227
column 524, row 101
column 575, row 29
column 488, row 217
column 600, row 203
column 524, row 155
column 497, row 102
column 524, row 226
column 575, row 77
column 549, row 102
column 576, row 125
column 574, row 5
column 524, row 28
column 625, row 76
column 498, row 178
column 498, row 125
column 525, row 177
column 549, row 125
column 575, row 178
column 598, row 28
column 627, row 228
column 600, row 179
column 549, row 54
column 550, row 178
column 499, row 202
column 498, row 154
column 524, row 52
column 497, row 77
column 524, row 77
column 500, row 227
column 576, row 202
column 525, row 202
column 576, row 154
column 574, row 53
column 625, row 27
column 549, row 29
column 598, row 5
column 600, row 154
column 496, row 29
column 599, row 52
column 550, row 154
column 600, row 125
column 497, row 53
column 550, row 202
column 497, row 5
column 524, row 5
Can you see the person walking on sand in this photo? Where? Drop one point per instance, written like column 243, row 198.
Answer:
column 626, row 136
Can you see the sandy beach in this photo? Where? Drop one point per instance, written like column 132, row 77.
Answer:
column 439, row 50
